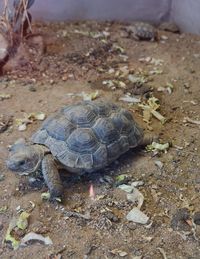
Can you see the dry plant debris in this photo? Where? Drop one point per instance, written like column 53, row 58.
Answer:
column 16, row 223
column 187, row 119
column 35, row 237
column 4, row 96
column 28, row 119
column 157, row 147
column 151, row 108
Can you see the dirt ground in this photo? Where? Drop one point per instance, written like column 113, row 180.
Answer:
column 86, row 57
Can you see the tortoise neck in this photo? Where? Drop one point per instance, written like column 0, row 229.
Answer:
column 42, row 150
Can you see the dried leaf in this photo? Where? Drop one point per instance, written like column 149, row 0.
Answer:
column 22, row 127
column 156, row 62
column 84, row 33
column 151, row 60
column 168, row 88
column 137, row 79
column 156, row 71
column 39, row 116
column 129, row 99
column 93, row 34
column 147, row 115
column 109, row 83
column 119, row 48
column 47, row 196
column 4, row 96
column 151, row 108
column 119, row 252
column 121, row 84
column 91, row 96
column 35, row 237
column 159, row 164
column 136, row 197
column 29, row 118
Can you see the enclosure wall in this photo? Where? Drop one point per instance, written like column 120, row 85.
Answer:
column 184, row 12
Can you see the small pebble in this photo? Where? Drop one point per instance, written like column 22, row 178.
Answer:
column 179, row 219
column 159, row 164
column 1, row 226
column 32, row 88
column 196, row 217
column 2, row 177
column 137, row 216
column 163, row 37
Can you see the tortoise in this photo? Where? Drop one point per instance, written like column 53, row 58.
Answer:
column 82, row 137
column 142, row 31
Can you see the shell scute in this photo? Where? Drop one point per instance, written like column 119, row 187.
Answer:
column 105, row 130
column 82, row 141
column 80, row 115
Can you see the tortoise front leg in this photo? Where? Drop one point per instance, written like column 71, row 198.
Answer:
column 51, row 176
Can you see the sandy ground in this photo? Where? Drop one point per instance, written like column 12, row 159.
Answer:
column 80, row 57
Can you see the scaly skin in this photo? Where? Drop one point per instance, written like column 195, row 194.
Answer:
column 51, row 176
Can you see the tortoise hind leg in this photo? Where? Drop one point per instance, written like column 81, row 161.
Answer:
column 51, row 176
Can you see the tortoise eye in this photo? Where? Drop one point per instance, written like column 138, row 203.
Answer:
column 22, row 162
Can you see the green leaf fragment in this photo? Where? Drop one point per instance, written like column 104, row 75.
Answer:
column 22, row 222
column 45, row 195
column 3, row 209
column 8, row 238
column 121, row 177
column 157, row 147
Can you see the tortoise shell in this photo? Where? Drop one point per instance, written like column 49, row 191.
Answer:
column 88, row 136
column 142, row 31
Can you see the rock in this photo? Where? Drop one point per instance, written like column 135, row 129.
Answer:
column 111, row 216
column 196, row 218
column 159, row 164
column 5, row 122
column 1, row 225
column 32, row 88
column 126, row 188
column 137, row 216
column 178, row 221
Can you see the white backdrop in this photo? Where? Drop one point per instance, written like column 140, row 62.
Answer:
column 153, row 10
column 186, row 13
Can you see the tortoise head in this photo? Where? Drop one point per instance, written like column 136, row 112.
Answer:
column 24, row 158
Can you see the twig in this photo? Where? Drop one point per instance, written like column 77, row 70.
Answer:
column 25, row 16
column 161, row 250
column 187, row 119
